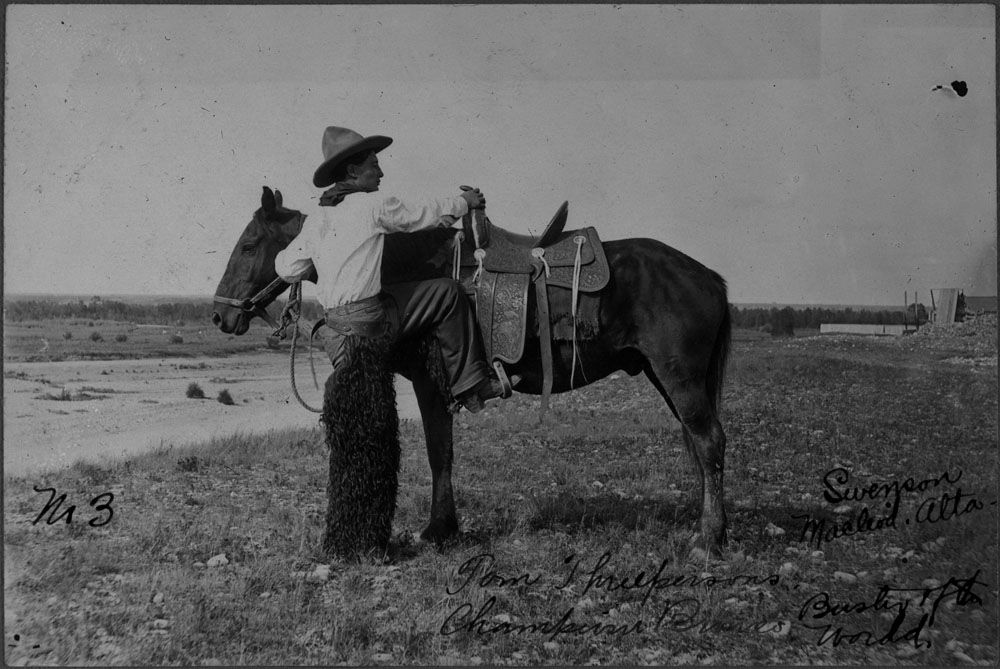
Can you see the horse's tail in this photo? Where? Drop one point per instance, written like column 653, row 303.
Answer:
column 720, row 356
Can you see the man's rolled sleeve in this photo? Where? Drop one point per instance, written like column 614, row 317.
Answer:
column 395, row 215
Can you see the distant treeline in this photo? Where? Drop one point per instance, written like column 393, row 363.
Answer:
column 167, row 313
column 195, row 311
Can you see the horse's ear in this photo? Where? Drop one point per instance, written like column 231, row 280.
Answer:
column 267, row 200
column 277, row 197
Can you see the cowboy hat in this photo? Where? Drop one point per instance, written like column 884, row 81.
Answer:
column 339, row 144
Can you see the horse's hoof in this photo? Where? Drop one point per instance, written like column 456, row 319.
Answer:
column 699, row 555
column 704, row 551
column 435, row 534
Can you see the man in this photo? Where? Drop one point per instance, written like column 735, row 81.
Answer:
column 343, row 239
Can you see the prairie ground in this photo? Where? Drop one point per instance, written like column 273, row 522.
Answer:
column 861, row 487
column 50, row 340
column 89, row 397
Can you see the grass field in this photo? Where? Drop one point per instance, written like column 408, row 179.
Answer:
column 575, row 534
column 78, row 339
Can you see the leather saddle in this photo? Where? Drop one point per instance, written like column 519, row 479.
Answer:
column 498, row 268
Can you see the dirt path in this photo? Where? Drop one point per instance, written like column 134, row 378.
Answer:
column 135, row 405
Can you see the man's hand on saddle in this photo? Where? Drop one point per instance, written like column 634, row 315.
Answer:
column 474, row 197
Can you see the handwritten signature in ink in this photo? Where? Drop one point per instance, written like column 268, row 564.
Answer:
column 823, row 610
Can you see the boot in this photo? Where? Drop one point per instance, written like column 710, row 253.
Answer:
column 475, row 399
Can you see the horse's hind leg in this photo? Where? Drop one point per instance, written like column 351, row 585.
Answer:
column 706, row 441
column 706, row 444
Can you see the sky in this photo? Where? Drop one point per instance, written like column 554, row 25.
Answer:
column 799, row 150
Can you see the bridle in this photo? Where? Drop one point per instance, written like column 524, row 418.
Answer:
column 255, row 305
column 289, row 316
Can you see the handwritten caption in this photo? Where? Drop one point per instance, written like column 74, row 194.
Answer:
column 882, row 508
column 823, row 612
column 684, row 613
column 101, row 504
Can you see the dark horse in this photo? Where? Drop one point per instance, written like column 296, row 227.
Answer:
column 662, row 313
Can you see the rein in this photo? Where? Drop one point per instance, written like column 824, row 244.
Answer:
column 289, row 316
column 253, row 305
column 312, row 366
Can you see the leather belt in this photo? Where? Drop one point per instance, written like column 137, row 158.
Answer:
column 363, row 318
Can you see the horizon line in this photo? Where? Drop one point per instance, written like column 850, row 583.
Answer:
column 189, row 296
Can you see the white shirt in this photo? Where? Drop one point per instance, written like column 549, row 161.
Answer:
column 344, row 243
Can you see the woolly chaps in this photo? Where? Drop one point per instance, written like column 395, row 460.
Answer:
column 362, row 431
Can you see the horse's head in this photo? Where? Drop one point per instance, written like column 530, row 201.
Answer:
column 241, row 294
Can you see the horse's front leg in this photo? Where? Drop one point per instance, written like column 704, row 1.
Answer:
column 438, row 431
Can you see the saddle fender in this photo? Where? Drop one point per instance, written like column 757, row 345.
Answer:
column 507, row 266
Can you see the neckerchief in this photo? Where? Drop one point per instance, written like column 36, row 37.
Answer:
column 334, row 196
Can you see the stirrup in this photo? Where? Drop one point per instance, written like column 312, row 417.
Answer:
column 505, row 383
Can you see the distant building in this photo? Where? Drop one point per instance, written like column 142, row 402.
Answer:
column 865, row 329
column 946, row 305
column 980, row 304
column 952, row 305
